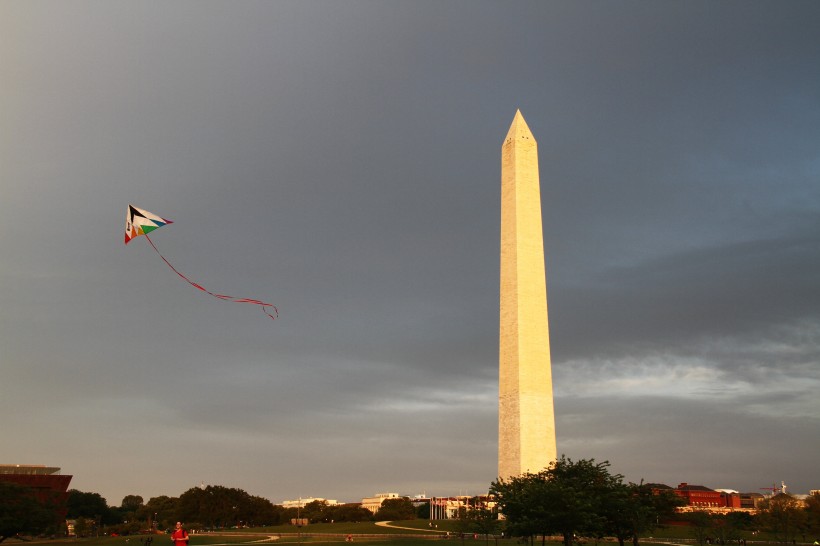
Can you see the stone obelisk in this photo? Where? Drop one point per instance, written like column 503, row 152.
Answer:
column 526, row 417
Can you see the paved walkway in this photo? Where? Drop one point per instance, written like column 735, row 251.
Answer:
column 387, row 524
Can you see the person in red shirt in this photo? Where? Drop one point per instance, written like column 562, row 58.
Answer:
column 180, row 536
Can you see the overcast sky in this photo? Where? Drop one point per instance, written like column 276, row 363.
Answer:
column 341, row 159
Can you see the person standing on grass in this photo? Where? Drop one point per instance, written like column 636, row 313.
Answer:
column 180, row 536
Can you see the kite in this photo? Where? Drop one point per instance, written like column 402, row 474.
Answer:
column 141, row 222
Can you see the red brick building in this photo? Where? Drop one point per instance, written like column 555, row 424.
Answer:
column 699, row 496
column 729, row 499
column 48, row 484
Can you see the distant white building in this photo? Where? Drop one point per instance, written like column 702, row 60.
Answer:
column 418, row 500
column 448, row 507
column 300, row 503
column 374, row 503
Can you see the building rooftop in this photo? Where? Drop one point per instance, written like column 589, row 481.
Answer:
column 29, row 469
column 687, row 487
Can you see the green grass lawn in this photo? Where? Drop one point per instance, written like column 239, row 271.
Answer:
column 364, row 532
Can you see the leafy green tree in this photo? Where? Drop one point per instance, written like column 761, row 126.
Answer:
column 279, row 515
column 396, row 509
column 723, row 528
column 160, row 510
column 289, row 514
column 218, row 506
column 740, row 520
column 700, row 524
column 813, row 514
column 193, row 507
column 22, row 512
column 91, row 506
column 483, row 521
column 525, row 503
column 634, row 509
column 126, row 512
column 258, row 511
column 350, row 512
column 626, row 511
column 423, row 511
column 583, row 489
column 463, row 522
column 210, row 506
column 131, row 503
column 567, row 498
column 783, row 516
column 316, row 512
column 726, row 529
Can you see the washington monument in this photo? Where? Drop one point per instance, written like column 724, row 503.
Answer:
column 526, row 418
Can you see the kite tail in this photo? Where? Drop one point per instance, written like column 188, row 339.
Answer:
column 263, row 305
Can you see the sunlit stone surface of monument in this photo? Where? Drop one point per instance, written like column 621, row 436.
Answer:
column 526, row 418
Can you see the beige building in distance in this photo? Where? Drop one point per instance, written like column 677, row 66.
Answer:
column 301, row 503
column 526, row 417
column 375, row 502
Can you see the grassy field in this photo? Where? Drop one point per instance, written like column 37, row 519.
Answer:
column 399, row 533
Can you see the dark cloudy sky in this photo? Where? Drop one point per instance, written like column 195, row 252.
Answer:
column 341, row 159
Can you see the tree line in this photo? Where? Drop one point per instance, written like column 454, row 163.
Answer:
column 570, row 499
column 24, row 511
column 583, row 498
column 218, row 507
column 580, row 499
